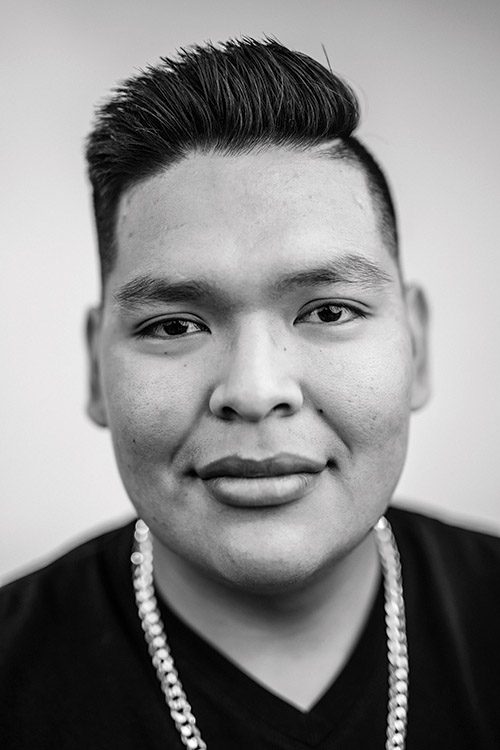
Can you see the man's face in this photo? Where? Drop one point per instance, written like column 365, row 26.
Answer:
column 255, row 315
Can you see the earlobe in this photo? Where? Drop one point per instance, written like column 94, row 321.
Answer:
column 418, row 320
column 95, row 404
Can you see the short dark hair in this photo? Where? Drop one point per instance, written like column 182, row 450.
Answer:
column 229, row 98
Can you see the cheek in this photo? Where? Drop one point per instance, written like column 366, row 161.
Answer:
column 151, row 405
column 365, row 392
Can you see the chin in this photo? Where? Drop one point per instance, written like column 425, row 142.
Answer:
column 269, row 577
column 273, row 566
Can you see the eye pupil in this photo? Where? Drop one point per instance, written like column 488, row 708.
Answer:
column 329, row 314
column 175, row 327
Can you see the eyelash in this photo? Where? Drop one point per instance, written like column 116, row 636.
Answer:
column 148, row 330
column 356, row 312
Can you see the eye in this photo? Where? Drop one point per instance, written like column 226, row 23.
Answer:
column 331, row 313
column 170, row 328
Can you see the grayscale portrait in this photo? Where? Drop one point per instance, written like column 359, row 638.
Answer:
column 251, row 356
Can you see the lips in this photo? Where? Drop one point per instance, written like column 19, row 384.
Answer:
column 284, row 463
column 250, row 483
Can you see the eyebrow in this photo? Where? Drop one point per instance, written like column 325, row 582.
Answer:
column 148, row 289
column 347, row 269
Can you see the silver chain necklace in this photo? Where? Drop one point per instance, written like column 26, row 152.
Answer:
column 175, row 697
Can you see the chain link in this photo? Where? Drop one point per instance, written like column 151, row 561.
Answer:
column 175, row 697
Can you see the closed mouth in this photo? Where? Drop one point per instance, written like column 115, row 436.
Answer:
column 273, row 466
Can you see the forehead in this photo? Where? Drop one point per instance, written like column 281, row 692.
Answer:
column 263, row 209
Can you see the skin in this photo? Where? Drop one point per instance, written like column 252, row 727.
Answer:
column 256, row 374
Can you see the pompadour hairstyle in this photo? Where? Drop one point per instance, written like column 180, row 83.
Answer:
column 231, row 98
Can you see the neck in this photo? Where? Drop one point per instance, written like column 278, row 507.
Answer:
column 294, row 643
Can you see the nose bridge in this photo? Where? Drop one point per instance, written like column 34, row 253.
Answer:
column 254, row 348
column 257, row 376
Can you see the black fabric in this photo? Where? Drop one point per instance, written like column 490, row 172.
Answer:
column 75, row 673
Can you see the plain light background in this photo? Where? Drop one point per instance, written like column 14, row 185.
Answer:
column 428, row 76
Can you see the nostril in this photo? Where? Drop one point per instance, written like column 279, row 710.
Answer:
column 284, row 407
column 227, row 412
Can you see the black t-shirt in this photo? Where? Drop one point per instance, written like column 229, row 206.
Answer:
column 75, row 673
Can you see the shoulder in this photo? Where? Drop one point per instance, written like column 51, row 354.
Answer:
column 460, row 563
column 40, row 597
column 451, row 579
column 67, row 631
column 445, row 539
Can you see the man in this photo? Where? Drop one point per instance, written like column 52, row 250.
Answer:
column 256, row 356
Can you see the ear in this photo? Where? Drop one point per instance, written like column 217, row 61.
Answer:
column 418, row 320
column 95, row 405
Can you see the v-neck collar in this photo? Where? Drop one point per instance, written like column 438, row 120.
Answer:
column 215, row 674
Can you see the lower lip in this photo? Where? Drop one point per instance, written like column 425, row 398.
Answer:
column 261, row 492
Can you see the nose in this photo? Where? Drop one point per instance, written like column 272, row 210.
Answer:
column 257, row 381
